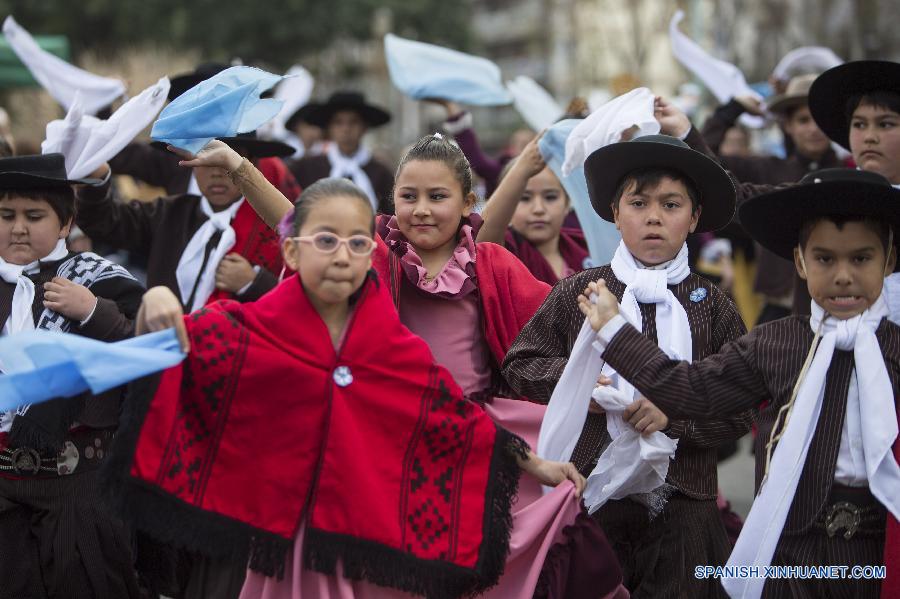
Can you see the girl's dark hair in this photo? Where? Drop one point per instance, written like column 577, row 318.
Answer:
column 61, row 200
column 440, row 149
column 320, row 191
column 879, row 99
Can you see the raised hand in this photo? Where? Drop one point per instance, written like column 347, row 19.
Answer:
column 160, row 310
column 215, row 153
column 530, row 162
column 672, row 121
column 603, row 309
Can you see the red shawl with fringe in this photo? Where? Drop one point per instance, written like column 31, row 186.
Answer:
column 373, row 445
column 509, row 294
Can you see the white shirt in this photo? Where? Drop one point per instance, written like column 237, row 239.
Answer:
column 851, row 462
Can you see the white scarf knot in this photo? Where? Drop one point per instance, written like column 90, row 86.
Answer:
column 188, row 272
column 878, row 421
column 651, row 286
column 350, row 167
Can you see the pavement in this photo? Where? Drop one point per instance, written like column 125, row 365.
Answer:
column 736, row 477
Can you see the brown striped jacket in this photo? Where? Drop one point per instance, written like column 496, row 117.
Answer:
column 536, row 360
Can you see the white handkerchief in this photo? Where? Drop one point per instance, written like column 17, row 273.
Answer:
column 632, row 464
column 723, row 79
column 605, row 126
column 534, row 103
column 61, row 79
column 87, row 142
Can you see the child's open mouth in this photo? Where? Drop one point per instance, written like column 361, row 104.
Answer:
column 845, row 301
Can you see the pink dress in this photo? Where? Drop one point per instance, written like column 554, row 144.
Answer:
column 445, row 312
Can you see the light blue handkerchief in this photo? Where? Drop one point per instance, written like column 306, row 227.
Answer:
column 426, row 71
column 40, row 365
column 602, row 236
column 222, row 106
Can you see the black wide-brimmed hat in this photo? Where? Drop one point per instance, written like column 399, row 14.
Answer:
column 833, row 89
column 250, row 144
column 605, row 169
column 301, row 115
column 319, row 114
column 41, row 171
column 185, row 81
column 774, row 219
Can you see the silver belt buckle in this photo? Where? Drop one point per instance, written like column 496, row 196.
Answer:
column 842, row 515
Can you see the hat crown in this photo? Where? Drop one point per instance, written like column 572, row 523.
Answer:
column 799, row 85
column 844, row 175
column 45, row 165
column 347, row 97
column 660, row 139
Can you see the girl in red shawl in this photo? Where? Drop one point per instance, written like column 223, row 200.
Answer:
column 468, row 302
column 526, row 215
column 366, row 446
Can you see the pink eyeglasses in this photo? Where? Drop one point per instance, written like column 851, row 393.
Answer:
column 328, row 243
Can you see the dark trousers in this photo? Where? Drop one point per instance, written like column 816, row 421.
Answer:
column 658, row 556
column 816, row 548
column 58, row 540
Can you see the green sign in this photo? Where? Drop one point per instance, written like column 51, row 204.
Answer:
column 14, row 74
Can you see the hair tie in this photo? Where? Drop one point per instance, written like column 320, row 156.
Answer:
column 438, row 136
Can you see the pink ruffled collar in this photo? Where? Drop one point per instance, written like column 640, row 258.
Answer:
column 453, row 277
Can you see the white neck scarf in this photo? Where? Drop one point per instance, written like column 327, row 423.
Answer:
column 21, row 317
column 188, row 271
column 350, row 167
column 878, row 418
column 650, row 286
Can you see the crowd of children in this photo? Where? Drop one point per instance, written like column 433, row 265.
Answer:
column 369, row 362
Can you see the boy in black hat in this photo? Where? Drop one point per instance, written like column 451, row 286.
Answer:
column 857, row 104
column 657, row 191
column 808, row 150
column 57, row 538
column 345, row 118
column 827, row 477
column 203, row 247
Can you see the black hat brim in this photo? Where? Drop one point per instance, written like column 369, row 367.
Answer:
column 320, row 114
column 774, row 219
column 19, row 180
column 260, row 148
column 605, row 168
column 255, row 148
column 833, row 89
